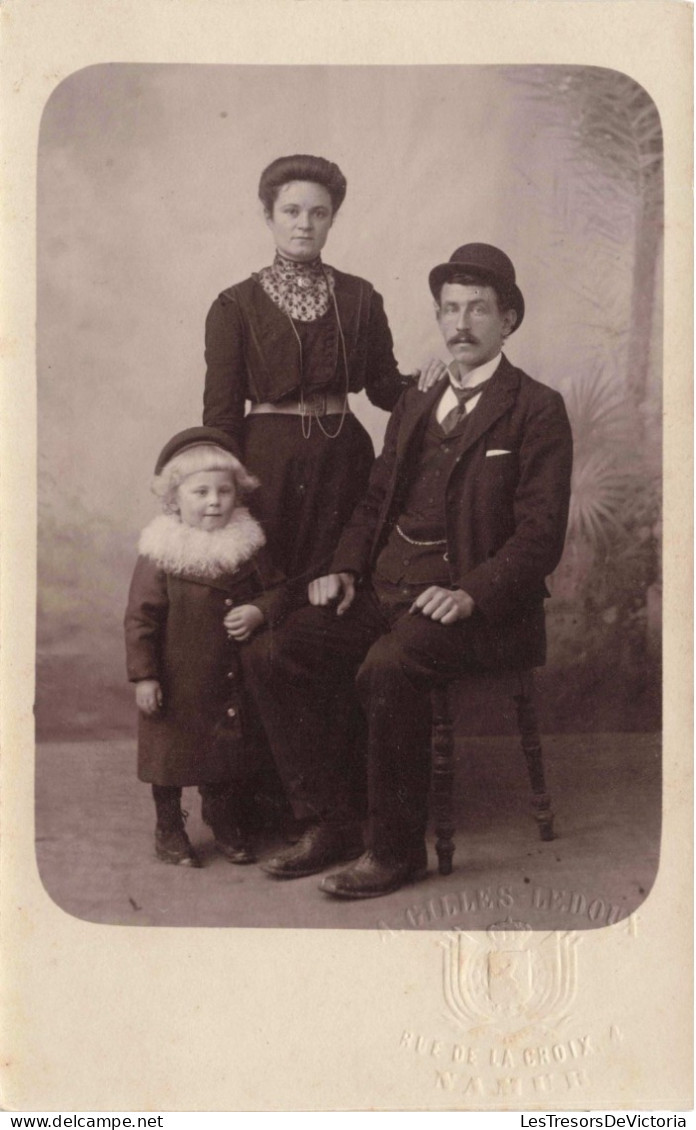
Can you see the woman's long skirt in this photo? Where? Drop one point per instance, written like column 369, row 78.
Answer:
column 309, row 486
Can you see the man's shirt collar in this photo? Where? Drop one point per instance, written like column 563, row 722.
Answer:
column 476, row 376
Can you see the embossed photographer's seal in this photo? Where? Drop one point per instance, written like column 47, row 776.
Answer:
column 509, row 976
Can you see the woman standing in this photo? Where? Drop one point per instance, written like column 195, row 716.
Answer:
column 295, row 339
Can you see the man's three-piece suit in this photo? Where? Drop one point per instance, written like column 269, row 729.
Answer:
column 482, row 508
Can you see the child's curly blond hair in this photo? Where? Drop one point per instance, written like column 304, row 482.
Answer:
column 190, row 460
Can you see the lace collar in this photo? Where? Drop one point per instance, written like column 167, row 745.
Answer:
column 301, row 290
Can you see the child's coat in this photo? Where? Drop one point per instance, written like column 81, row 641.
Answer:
column 184, row 583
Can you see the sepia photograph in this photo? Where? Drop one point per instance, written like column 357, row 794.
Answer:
column 219, row 248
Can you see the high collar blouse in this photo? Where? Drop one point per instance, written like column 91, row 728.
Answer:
column 301, row 290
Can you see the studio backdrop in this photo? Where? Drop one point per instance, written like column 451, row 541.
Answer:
column 147, row 209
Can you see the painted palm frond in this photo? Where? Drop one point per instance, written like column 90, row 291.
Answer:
column 607, row 117
column 598, row 492
column 597, row 411
column 604, row 468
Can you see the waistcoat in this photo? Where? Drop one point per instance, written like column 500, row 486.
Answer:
column 423, row 515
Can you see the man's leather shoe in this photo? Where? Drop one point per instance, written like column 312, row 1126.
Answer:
column 371, row 877
column 320, row 846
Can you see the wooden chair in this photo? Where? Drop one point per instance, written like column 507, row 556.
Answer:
column 522, row 689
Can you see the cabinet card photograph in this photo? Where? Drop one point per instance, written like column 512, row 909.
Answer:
column 356, row 385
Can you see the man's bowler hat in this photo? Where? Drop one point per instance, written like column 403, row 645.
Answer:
column 193, row 437
column 489, row 263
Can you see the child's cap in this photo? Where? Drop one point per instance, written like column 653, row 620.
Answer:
column 192, row 437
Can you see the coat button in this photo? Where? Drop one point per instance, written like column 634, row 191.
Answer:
column 231, row 674
column 232, row 713
column 229, row 602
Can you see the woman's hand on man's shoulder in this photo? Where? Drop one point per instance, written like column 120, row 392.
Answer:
column 433, row 371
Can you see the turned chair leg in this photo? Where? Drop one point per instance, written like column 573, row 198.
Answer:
column 443, row 768
column 443, row 779
column 531, row 747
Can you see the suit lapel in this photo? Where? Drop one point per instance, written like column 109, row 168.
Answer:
column 414, row 424
column 495, row 400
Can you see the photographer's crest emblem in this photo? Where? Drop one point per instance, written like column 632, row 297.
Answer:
column 509, row 976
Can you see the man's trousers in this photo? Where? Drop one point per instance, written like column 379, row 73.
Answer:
column 311, row 677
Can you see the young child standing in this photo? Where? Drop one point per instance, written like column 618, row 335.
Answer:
column 202, row 585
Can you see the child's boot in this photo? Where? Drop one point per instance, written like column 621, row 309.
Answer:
column 172, row 845
column 219, row 812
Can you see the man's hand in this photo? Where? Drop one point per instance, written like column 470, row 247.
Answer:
column 241, row 622
column 445, row 605
column 432, row 372
column 335, row 586
column 148, row 696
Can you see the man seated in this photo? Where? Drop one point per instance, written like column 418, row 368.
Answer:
column 440, row 571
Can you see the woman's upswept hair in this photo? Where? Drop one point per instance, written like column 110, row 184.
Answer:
column 302, row 167
column 199, row 457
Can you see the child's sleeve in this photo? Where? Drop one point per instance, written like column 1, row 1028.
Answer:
column 274, row 597
column 145, row 617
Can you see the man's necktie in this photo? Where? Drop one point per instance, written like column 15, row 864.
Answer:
column 457, row 414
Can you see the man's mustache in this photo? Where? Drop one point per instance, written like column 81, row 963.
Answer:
column 464, row 339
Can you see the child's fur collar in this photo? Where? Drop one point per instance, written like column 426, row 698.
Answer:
column 183, row 550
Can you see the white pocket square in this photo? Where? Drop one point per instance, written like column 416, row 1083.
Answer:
column 498, row 451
